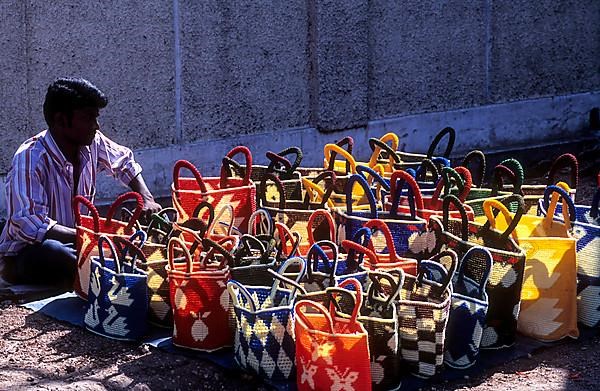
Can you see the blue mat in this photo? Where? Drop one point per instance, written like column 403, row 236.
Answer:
column 70, row 308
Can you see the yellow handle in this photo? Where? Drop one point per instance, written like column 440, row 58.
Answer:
column 385, row 138
column 329, row 148
column 313, row 188
column 488, row 207
column 565, row 207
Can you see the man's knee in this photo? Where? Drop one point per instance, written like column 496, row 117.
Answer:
column 54, row 249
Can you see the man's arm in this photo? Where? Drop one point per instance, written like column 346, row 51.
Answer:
column 61, row 233
column 150, row 205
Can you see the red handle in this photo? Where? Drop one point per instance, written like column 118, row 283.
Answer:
column 389, row 240
column 131, row 195
column 311, row 221
column 410, row 181
column 240, row 149
column 185, row 164
column 350, row 245
column 465, row 173
column 565, row 160
column 79, row 199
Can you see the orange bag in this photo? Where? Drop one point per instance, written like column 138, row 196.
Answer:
column 332, row 351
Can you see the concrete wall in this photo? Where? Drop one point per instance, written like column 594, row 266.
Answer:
column 182, row 73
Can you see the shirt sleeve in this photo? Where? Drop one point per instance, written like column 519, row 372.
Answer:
column 28, row 200
column 117, row 160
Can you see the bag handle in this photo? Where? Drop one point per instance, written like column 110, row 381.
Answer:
column 285, row 236
column 102, row 240
column 471, row 255
column 374, row 178
column 137, row 212
column 198, row 212
column 464, row 226
column 479, row 157
column 179, row 228
column 414, row 195
column 441, row 162
column 361, row 237
column 247, row 244
column 345, row 141
column 330, row 151
column 324, row 192
column 381, row 145
column 186, row 254
column 343, row 289
column 161, row 222
column 240, row 149
column 127, row 215
column 450, row 175
column 226, row 208
column 78, row 200
column 232, row 286
column 186, row 164
column 318, row 307
column 519, row 174
column 427, row 166
column 295, row 261
column 261, row 194
column 512, row 222
column 437, row 259
column 355, row 178
column 380, row 225
column 125, row 247
column 211, row 247
column 375, row 287
column 565, row 160
column 312, row 259
column 279, row 165
column 287, row 151
column 351, row 247
column 311, row 223
column 265, row 223
column 434, row 144
column 567, row 204
column 288, row 281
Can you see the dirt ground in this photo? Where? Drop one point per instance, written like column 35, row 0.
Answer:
column 39, row 353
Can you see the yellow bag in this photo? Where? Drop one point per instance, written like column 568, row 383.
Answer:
column 549, row 294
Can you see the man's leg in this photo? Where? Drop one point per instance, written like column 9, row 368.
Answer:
column 50, row 262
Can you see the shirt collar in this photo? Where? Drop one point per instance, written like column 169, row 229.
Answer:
column 57, row 155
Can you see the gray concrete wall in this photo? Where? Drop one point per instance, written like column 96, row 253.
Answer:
column 182, row 73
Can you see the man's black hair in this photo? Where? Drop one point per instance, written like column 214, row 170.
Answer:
column 71, row 93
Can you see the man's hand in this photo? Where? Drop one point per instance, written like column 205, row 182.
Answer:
column 150, row 206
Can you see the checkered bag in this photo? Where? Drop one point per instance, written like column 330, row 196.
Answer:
column 586, row 228
column 240, row 193
column 264, row 338
column 379, row 317
column 423, row 308
column 117, row 296
column 332, row 351
column 198, row 293
column 349, row 221
column 506, row 278
column 89, row 228
column 469, row 309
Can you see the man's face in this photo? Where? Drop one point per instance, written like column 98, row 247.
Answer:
column 83, row 126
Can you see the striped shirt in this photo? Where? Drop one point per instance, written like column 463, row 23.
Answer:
column 40, row 185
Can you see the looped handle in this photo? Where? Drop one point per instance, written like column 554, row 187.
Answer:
column 449, row 176
column 318, row 307
column 326, row 217
column 315, row 253
column 240, row 149
column 265, row 223
column 503, row 206
column 565, row 160
column 464, row 226
column 375, row 177
column 162, row 223
column 343, row 289
column 380, row 145
column 186, row 254
column 261, row 194
column 415, row 197
column 226, row 208
column 479, row 156
column 471, row 255
column 279, row 165
column 127, row 215
column 210, row 246
column 186, row 164
column 312, row 187
column 289, row 151
column 247, row 244
column 285, row 236
column 450, row 272
column 102, row 240
column 451, row 138
column 330, row 151
column 519, row 175
column 78, row 200
column 137, row 212
column 295, row 261
column 380, row 225
column 353, row 247
column 427, row 166
column 127, row 247
column 232, row 285
column 367, row 190
column 551, row 206
column 361, row 237
column 375, row 287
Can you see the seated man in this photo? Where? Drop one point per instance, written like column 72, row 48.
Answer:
column 48, row 170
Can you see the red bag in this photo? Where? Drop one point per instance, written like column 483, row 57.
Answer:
column 240, row 193
column 89, row 228
column 198, row 293
column 332, row 351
